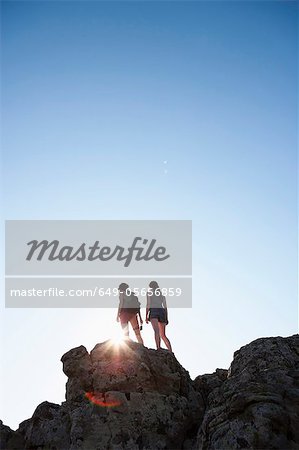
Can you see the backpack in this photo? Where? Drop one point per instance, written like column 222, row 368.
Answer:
column 132, row 302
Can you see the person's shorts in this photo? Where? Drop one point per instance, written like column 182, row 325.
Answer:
column 158, row 313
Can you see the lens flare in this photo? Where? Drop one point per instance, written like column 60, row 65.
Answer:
column 118, row 340
column 98, row 398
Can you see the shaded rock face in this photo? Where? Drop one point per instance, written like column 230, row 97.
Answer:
column 10, row 439
column 133, row 398
column 138, row 397
column 257, row 406
column 125, row 397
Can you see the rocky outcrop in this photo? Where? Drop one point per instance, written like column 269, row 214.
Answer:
column 118, row 397
column 10, row 439
column 135, row 397
column 129, row 397
column 257, row 405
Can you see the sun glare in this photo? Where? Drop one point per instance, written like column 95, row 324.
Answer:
column 118, row 338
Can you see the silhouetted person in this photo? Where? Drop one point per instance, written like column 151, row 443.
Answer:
column 156, row 312
column 128, row 310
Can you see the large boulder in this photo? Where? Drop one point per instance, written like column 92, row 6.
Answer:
column 122, row 396
column 257, row 405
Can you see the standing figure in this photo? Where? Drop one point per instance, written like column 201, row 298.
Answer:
column 157, row 314
column 128, row 312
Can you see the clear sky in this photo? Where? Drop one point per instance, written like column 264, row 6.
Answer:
column 96, row 96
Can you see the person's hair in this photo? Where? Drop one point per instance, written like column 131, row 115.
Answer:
column 155, row 287
column 123, row 287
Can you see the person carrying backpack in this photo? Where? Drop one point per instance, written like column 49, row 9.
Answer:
column 128, row 311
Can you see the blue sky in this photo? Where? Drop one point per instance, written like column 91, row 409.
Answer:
column 95, row 97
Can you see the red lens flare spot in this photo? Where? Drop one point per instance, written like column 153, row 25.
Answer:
column 98, row 398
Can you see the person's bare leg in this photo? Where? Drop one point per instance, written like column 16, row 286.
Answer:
column 125, row 327
column 155, row 326
column 135, row 326
column 163, row 336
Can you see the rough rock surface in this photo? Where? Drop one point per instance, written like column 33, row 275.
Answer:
column 10, row 439
column 126, row 397
column 257, row 406
column 133, row 398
